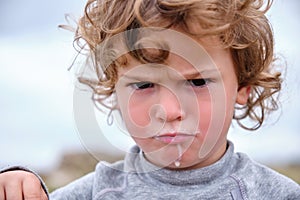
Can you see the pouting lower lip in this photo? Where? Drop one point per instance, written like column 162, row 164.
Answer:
column 174, row 138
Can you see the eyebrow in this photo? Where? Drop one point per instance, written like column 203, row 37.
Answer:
column 195, row 74
column 192, row 75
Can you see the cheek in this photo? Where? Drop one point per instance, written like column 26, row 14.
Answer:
column 205, row 116
column 215, row 112
column 138, row 111
column 134, row 112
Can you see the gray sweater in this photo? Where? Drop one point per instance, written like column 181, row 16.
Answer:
column 233, row 177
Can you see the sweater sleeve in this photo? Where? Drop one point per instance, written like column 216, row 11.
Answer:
column 14, row 168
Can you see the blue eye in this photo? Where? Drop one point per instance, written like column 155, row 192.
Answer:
column 142, row 85
column 198, row 82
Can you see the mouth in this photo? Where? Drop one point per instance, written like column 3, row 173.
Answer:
column 174, row 138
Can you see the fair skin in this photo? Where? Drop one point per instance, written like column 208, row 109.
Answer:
column 21, row 185
column 174, row 111
column 169, row 106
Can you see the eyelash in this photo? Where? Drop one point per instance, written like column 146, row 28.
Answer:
column 142, row 85
column 200, row 82
column 192, row 82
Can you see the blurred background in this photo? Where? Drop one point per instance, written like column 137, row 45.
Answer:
column 36, row 95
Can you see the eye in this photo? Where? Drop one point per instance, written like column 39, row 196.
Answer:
column 198, row 82
column 142, row 85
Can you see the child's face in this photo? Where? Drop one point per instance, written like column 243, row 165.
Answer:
column 177, row 110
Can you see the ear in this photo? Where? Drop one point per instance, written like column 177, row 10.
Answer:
column 243, row 95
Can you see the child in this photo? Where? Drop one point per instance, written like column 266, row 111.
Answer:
column 178, row 72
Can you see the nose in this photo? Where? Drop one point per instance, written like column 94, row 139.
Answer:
column 170, row 108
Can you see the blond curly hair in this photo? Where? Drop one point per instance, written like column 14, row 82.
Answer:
column 241, row 26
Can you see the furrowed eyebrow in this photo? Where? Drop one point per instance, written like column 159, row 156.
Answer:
column 196, row 74
column 193, row 75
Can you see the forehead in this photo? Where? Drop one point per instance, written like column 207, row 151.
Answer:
column 209, row 59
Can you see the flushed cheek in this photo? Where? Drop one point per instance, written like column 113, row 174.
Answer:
column 139, row 112
column 138, row 120
column 205, row 117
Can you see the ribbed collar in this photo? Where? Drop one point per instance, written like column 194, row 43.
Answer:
column 136, row 162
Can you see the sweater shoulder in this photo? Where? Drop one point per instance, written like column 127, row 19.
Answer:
column 261, row 181
column 106, row 175
column 105, row 171
column 78, row 189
